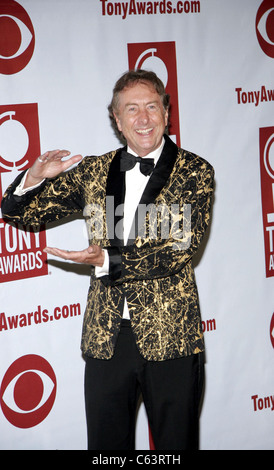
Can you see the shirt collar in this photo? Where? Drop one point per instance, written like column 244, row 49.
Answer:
column 154, row 154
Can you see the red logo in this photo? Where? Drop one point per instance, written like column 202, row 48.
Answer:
column 272, row 330
column 28, row 391
column 265, row 27
column 21, row 251
column 160, row 57
column 267, row 188
column 17, row 38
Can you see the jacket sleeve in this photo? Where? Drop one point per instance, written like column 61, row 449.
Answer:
column 158, row 257
column 52, row 200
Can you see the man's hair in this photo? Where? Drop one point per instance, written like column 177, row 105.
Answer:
column 129, row 79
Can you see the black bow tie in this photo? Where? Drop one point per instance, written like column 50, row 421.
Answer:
column 128, row 161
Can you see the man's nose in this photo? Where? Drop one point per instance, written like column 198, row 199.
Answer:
column 143, row 116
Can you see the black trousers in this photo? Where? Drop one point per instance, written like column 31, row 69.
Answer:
column 171, row 391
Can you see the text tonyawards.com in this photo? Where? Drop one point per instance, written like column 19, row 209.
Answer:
column 38, row 316
column 135, row 8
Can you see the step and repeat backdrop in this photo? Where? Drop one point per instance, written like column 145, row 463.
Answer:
column 59, row 61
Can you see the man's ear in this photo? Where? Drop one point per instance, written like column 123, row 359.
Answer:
column 166, row 116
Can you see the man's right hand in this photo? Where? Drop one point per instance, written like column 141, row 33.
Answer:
column 49, row 165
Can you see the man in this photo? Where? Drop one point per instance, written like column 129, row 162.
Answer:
column 142, row 328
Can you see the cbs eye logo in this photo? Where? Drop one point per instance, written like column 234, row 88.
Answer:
column 28, row 391
column 265, row 27
column 272, row 330
column 17, row 38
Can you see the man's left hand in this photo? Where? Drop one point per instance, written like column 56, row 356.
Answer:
column 92, row 255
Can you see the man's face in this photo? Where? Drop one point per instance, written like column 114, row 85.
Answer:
column 141, row 118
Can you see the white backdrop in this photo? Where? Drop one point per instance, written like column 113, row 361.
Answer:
column 63, row 57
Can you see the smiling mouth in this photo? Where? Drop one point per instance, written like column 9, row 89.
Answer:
column 144, row 131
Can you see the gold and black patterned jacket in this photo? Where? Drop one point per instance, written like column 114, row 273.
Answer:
column 154, row 270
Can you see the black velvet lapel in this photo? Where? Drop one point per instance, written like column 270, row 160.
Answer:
column 115, row 192
column 161, row 172
column 158, row 178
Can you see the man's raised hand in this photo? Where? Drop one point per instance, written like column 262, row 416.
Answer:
column 49, row 165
